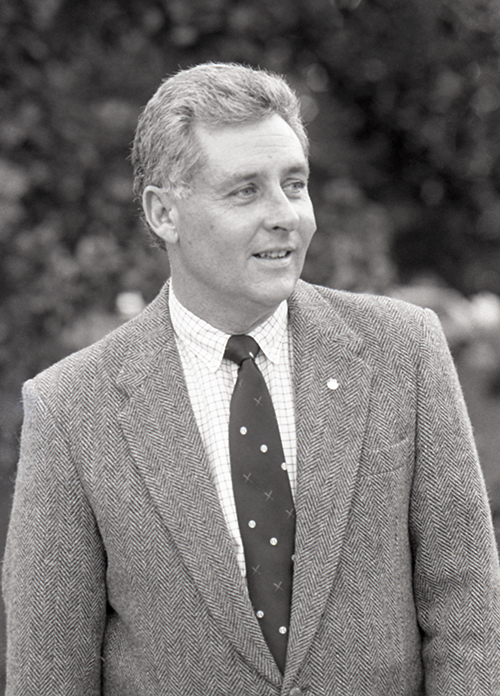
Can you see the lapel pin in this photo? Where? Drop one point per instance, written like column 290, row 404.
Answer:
column 332, row 383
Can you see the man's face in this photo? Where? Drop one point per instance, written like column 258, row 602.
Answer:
column 243, row 232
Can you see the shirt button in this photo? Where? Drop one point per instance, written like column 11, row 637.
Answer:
column 260, row 614
column 295, row 691
column 282, row 630
column 252, row 524
column 273, row 541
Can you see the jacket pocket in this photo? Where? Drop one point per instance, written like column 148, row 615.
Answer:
column 375, row 462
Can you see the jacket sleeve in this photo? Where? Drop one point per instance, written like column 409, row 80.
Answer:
column 456, row 572
column 54, row 569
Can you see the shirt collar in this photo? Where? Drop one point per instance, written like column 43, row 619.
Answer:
column 209, row 344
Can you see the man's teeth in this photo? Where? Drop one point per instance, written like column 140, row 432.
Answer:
column 273, row 255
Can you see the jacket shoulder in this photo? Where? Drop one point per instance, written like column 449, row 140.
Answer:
column 368, row 315
column 97, row 365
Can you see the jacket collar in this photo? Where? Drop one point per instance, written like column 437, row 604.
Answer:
column 152, row 336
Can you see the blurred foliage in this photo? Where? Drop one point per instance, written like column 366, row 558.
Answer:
column 402, row 98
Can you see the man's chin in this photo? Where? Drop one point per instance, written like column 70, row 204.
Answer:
column 271, row 297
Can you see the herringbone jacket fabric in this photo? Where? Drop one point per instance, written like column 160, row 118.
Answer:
column 120, row 578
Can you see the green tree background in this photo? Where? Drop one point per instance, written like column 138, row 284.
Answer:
column 402, row 100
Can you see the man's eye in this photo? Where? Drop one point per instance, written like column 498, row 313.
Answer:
column 245, row 192
column 295, row 186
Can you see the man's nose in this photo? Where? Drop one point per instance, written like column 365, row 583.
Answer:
column 280, row 212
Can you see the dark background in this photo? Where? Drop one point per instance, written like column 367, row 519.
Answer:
column 402, row 100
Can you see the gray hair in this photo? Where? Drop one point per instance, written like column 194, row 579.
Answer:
column 165, row 152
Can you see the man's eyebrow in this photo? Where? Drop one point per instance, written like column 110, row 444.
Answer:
column 240, row 177
column 302, row 168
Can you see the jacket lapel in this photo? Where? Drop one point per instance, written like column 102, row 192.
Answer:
column 332, row 395
column 161, row 430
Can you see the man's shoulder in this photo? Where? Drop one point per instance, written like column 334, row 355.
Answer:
column 379, row 329
column 100, row 363
column 362, row 313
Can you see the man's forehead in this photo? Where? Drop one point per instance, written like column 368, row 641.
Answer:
column 244, row 146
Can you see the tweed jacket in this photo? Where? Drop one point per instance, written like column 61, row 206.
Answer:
column 120, row 578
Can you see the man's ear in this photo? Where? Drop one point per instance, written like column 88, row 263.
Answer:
column 160, row 211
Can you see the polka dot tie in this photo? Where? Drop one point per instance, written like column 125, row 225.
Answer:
column 262, row 495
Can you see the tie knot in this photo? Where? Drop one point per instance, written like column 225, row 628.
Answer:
column 240, row 348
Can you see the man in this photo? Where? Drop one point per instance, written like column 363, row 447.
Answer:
column 129, row 566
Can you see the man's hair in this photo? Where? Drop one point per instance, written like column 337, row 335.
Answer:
column 165, row 152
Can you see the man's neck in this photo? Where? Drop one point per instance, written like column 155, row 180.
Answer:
column 223, row 319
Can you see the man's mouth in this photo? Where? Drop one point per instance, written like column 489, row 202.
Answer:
column 273, row 254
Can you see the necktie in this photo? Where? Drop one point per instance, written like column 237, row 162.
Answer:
column 264, row 503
